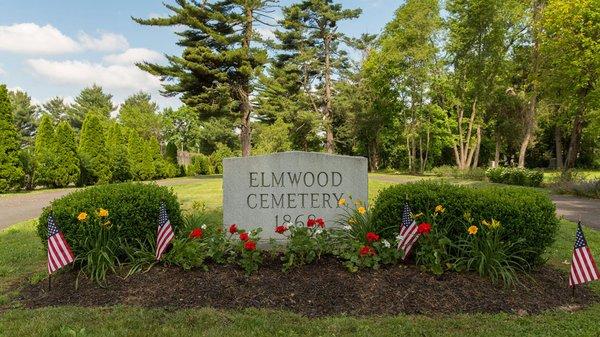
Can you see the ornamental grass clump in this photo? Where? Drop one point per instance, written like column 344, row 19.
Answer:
column 486, row 252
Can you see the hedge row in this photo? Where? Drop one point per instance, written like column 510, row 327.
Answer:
column 133, row 210
column 515, row 176
column 524, row 213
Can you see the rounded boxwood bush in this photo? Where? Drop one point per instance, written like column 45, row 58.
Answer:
column 133, row 211
column 524, row 213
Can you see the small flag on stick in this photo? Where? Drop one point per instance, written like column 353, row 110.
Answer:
column 408, row 232
column 583, row 266
column 165, row 232
column 59, row 251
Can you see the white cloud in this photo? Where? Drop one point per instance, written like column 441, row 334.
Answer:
column 29, row 38
column 106, row 42
column 132, row 56
column 115, row 77
column 266, row 32
column 2, row 71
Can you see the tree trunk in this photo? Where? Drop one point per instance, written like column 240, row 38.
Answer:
column 409, row 154
column 558, row 147
column 477, row 147
column 373, row 156
column 497, row 153
column 575, row 139
column 244, row 90
column 327, row 113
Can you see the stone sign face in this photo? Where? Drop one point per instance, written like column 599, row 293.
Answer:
column 290, row 187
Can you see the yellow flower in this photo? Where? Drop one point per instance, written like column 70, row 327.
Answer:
column 82, row 216
column 491, row 225
column 362, row 210
column 439, row 209
column 342, row 202
column 102, row 213
column 416, row 216
column 472, row 230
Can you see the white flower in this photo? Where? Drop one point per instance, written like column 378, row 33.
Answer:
column 399, row 238
column 203, row 226
column 347, row 227
column 318, row 231
column 386, row 243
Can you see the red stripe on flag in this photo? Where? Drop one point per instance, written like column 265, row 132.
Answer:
column 57, row 251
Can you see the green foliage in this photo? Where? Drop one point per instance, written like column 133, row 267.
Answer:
column 27, row 162
column 171, row 153
column 140, row 114
column 99, row 248
column 45, row 158
column 140, row 158
column 528, row 216
column 217, row 157
column 247, row 255
column 515, row 176
column 24, row 115
column 94, row 156
column 304, row 244
column 273, row 138
column 433, row 252
column 489, row 255
column 200, row 165
column 116, row 143
column 11, row 173
column 455, row 172
column 65, row 152
column 133, row 209
column 56, row 108
column 91, row 100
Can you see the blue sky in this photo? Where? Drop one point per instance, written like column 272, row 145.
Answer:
column 56, row 48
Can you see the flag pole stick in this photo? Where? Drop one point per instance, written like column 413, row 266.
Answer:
column 49, row 282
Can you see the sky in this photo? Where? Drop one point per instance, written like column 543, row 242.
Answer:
column 57, row 48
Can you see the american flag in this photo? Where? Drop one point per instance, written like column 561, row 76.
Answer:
column 408, row 232
column 165, row 232
column 59, row 251
column 583, row 266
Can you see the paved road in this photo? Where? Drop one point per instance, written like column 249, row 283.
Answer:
column 23, row 206
column 20, row 207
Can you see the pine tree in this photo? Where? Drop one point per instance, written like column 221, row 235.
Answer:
column 116, row 143
column 221, row 57
column 67, row 161
column 44, row 155
column 95, row 162
column 11, row 173
column 57, row 109
column 140, row 157
column 90, row 100
column 24, row 114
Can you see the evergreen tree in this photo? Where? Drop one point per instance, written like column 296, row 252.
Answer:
column 171, row 153
column 24, row 114
column 139, row 113
column 273, row 138
column 11, row 173
column 57, row 109
column 221, row 57
column 160, row 165
column 93, row 154
column 67, row 161
column 90, row 100
column 116, row 143
column 44, row 155
column 140, row 157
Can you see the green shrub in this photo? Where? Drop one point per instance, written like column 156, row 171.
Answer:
column 515, row 176
column 217, row 157
column 202, row 165
column 453, row 172
column 525, row 214
column 133, row 210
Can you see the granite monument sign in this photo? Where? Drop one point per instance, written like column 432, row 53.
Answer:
column 289, row 187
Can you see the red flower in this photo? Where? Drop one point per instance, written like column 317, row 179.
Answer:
column 196, row 233
column 250, row 245
column 233, row 229
column 367, row 250
column 372, row 237
column 320, row 222
column 244, row 236
column 311, row 222
column 424, row 228
column 280, row 229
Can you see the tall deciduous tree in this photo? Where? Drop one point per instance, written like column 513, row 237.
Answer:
column 94, row 156
column 11, row 173
column 65, row 151
column 221, row 58
column 90, row 100
column 44, row 155
column 570, row 41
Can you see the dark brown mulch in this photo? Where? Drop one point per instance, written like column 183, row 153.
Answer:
column 320, row 289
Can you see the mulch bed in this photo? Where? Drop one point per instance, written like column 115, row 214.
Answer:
column 319, row 289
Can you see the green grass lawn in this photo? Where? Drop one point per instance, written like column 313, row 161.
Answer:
column 22, row 260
